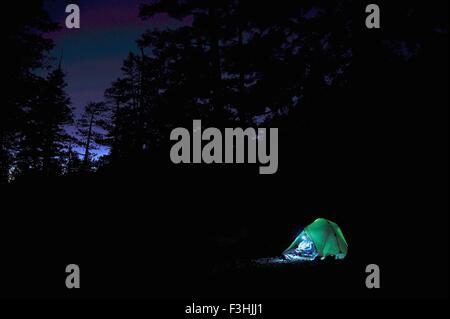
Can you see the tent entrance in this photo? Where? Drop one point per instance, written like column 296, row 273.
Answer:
column 303, row 248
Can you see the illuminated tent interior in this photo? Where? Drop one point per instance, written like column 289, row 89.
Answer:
column 323, row 238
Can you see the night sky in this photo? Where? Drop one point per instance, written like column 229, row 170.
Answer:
column 93, row 55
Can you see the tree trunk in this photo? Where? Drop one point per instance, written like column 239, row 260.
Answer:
column 140, row 111
column 88, row 142
column 47, row 154
column 241, row 106
column 115, row 144
column 215, row 63
column 4, row 165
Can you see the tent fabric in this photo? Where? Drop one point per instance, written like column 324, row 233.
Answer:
column 327, row 238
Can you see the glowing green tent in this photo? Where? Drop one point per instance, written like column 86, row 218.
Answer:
column 322, row 238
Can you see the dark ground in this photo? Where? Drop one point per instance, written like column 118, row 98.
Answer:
column 197, row 235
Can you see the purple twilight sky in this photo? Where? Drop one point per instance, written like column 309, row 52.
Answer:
column 93, row 55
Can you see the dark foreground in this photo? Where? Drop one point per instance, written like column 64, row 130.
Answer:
column 192, row 239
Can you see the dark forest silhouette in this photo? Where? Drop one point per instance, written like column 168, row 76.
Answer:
column 234, row 66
